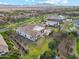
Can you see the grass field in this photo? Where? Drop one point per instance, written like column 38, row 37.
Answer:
column 36, row 49
column 9, row 57
column 77, row 46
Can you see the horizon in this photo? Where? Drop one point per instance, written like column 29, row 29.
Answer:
column 35, row 2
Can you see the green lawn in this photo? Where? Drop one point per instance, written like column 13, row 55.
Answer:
column 36, row 20
column 10, row 57
column 77, row 46
column 40, row 47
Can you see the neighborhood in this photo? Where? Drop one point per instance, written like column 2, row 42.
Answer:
column 38, row 36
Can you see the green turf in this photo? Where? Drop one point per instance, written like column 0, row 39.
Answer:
column 78, row 46
column 36, row 50
column 9, row 57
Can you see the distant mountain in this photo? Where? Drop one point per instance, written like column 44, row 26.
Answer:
column 39, row 5
column 45, row 5
column 2, row 5
column 53, row 5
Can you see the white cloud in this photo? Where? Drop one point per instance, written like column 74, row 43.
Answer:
column 30, row 0
column 3, row 3
column 58, row 2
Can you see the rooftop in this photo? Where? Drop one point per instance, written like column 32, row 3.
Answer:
column 51, row 22
column 56, row 18
column 31, row 29
column 76, row 22
column 38, row 28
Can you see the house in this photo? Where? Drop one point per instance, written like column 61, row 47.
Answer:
column 76, row 23
column 52, row 23
column 56, row 18
column 32, row 32
column 3, row 46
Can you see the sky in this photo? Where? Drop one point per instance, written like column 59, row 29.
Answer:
column 33, row 2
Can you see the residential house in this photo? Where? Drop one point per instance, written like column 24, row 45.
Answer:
column 54, row 20
column 52, row 23
column 31, row 32
column 26, row 15
column 3, row 46
column 76, row 23
column 58, row 18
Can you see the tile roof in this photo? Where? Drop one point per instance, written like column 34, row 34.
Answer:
column 76, row 22
column 56, row 18
column 51, row 23
column 30, row 29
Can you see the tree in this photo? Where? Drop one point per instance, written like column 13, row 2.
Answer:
column 48, row 55
column 53, row 44
column 72, row 57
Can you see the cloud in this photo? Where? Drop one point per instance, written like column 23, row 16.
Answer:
column 58, row 2
column 4, row 3
column 30, row 0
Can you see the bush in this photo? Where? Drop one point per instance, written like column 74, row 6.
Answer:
column 53, row 44
column 48, row 55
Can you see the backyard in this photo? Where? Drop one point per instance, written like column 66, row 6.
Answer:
column 77, row 46
column 35, row 50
